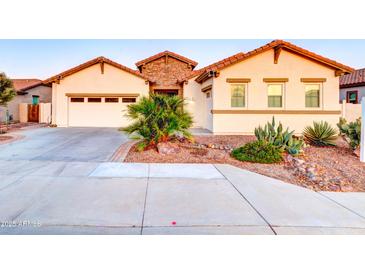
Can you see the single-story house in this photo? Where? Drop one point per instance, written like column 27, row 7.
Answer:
column 231, row 96
column 352, row 86
column 29, row 91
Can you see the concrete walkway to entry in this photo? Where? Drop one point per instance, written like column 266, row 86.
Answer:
column 122, row 198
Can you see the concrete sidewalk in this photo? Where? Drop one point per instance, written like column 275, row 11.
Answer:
column 123, row 198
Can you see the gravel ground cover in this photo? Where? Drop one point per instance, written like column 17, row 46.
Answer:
column 335, row 168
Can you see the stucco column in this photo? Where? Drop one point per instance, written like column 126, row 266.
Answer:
column 343, row 107
column 54, row 104
column 362, row 143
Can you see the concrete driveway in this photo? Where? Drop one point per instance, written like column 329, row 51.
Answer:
column 64, row 144
column 59, row 181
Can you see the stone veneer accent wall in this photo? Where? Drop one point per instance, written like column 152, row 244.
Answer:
column 165, row 73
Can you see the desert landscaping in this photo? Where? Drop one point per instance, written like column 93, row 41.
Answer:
column 330, row 168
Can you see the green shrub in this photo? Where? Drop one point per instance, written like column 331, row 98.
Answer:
column 258, row 152
column 158, row 118
column 284, row 140
column 320, row 134
column 351, row 132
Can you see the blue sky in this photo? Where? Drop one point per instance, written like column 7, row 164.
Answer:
column 44, row 58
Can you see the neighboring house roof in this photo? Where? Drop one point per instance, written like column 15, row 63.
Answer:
column 98, row 60
column 355, row 79
column 276, row 44
column 167, row 53
column 24, row 84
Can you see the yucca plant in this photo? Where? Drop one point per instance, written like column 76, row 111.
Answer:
column 283, row 140
column 320, row 134
column 158, row 118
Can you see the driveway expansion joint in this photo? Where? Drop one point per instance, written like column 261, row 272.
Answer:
column 336, row 202
column 259, row 213
column 145, row 199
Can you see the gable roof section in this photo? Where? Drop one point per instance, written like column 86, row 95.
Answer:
column 168, row 53
column 272, row 45
column 90, row 63
column 355, row 79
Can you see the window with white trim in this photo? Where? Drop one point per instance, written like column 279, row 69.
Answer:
column 312, row 95
column 238, row 95
column 275, row 95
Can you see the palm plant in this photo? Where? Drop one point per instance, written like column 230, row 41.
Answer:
column 320, row 134
column 158, row 118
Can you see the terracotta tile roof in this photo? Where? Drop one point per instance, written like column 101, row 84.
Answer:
column 169, row 53
column 357, row 78
column 192, row 75
column 92, row 62
column 24, row 84
column 228, row 60
column 276, row 43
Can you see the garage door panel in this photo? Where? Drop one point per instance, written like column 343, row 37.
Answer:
column 97, row 114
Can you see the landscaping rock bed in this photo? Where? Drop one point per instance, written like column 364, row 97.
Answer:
column 319, row 169
column 19, row 126
column 8, row 138
column 5, row 138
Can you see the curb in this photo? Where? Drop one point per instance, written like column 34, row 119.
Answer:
column 121, row 153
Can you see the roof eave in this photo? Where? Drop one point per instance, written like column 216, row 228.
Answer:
column 203, row 77
column 331, row 64
column 90, row 63
column 361, row 84
column 338, row 67
column 164, row 53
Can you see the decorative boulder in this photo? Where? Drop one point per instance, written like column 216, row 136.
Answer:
column 167, row 148
column 357, row 152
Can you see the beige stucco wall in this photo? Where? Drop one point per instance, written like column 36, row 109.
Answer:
column 45, row 110
column 246, row 123
column 351, row 111
column 44, row 93
column 262, row 66
column 197, row 103
column 91, row 80
column 23, row 112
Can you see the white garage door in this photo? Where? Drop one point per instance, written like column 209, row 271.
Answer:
column 98, row 111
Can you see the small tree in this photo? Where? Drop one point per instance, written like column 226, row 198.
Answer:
column 7, row 91
column 158, row 119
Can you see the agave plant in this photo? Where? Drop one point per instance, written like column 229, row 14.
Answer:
column 320, row 134
column 158, row 119
column 284, row 140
